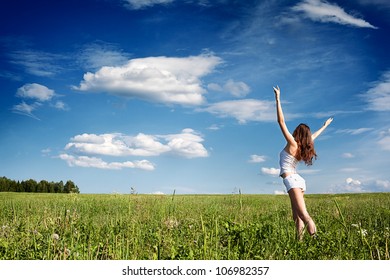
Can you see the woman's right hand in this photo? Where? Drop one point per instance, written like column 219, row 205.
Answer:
column 277, row 92
column 328, row 121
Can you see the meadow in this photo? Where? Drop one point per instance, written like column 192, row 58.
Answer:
column 200, row 227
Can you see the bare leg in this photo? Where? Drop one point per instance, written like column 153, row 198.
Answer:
column 300, row 215
column 299, row 224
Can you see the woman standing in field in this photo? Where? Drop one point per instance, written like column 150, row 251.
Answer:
column 299, row 147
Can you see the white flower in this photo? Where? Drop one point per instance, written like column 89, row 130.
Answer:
column 363, row 232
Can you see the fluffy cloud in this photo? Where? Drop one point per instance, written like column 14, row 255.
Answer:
column 257, row 159
column 85, row 161
column 348, row 186
column 40, row 94
column 364, row 185
column 236, row 89
column 318, row 10
column 115, row 144
column 186, row 144
column 168, row 80
column 35, row 91
column 61, row 106
column 270, row 171
column 378, row 96
column 81, row 150
column 243, row 110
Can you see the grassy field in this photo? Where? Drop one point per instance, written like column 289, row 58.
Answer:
column 90, row 227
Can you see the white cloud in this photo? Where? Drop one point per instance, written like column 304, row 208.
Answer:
column 35, row 91
column 383, row 185
column 41, row 94
column 328, row 114
column 351, row 185
column 60, row 105
column 347, row 155
column 214, row 87
column 186, row 144
column 168, row 80
column 215, row 127
column 99, row 54
column 42, row 64
column 243, row 110
column 158, row 193
column 384, row 142
column 359, row 186
column 349, row 169
column 280, row 192
column 141, row 4
column 322, row 11
column 354, row 131
column 85, row 161
column 270, row 171
column 378, row 96
column 309, row 171
column 236, row 89
column 257, row 158
column 26, row 109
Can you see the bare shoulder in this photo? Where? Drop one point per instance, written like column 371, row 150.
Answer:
column 292, row 148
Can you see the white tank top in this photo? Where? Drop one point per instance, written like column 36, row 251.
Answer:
column 287, row 162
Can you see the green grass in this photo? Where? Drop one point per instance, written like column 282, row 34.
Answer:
column 91, row 227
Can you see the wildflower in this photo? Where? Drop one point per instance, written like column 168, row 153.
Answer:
column 4, row 230
column 55, row 236
column 171, row 223
column 363, row 232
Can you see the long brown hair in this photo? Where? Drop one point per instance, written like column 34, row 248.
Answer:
column 306, row 151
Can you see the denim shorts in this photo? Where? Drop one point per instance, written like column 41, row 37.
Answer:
column 294, row 181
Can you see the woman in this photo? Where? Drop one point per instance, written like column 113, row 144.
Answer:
column 299, row 147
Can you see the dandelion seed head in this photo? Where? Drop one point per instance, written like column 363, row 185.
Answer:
column 171, row 223
column 55, row 236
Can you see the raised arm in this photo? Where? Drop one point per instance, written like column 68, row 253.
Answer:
column 282, row 124
column 318, row 132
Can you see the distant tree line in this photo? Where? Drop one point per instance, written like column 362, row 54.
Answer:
column 8, row 185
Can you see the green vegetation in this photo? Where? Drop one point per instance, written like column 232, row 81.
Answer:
column 8, row 185
column 87, row 226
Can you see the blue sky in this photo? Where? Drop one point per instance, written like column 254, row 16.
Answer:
column 164, row 95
